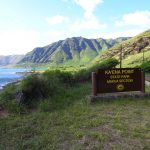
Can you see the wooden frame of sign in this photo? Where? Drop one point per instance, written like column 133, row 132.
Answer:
column 118, row 80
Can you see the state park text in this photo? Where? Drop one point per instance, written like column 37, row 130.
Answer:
column 119, row 76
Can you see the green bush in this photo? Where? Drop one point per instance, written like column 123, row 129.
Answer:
column 7, row 95
column 82, row 75
column 36, row 87
column 146, row 66
column 8, row 99
column 107, row 64
column 49, row 85
column 85, row 74
column 62, row 77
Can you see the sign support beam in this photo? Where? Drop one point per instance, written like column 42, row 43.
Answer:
column 142, row 81
column 94, row 83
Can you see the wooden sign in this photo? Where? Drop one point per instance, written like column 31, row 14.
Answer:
column 119, row 80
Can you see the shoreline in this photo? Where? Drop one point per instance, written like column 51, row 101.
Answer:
column 18, row 78
column 30, row 72
column 13, row 82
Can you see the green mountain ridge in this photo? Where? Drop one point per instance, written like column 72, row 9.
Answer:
column 75, row 50
column 79, row 50
column 134, row 51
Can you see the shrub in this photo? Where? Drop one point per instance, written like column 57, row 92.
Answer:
column 7, row 94
column 49, row 84
column 62, row 77
column 85, row 74
column 146, row 66
column 107, row 64
column 8, row 99
column 66, row 78
column 36, row 87
column 82, row 75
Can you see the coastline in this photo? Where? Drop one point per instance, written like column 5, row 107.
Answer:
column 13, row 82
column 30, row 72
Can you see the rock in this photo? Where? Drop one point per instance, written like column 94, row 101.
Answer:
column 20, row 97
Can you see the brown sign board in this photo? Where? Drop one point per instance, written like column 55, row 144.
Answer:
column 119, row 80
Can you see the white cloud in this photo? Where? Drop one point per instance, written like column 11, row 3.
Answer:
column 139, row 18
column 116, row 34
column 88, row 6
column 87, row 24
column 90, row 21
column 58, row 19
column 52, row 35
column 17, row 41
column 23, row 41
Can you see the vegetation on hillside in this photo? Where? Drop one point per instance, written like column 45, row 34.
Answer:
column 132, row 50
column 146, row 66
column 76, row 50
column 38, row 87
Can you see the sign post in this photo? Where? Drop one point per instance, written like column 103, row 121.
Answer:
column 143, row 81
column 94, row 83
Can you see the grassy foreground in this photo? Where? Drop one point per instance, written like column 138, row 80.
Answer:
column 78, row 125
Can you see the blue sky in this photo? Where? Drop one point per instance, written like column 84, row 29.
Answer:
column 26, row 24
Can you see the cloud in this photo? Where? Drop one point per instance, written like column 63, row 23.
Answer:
column 22, row 41
column 52, row 35
column 88, row 6
column 116, row 34
column 88, row 24
column 139, row 18
column 17, row 41
column 58, row 19
column 90, row 21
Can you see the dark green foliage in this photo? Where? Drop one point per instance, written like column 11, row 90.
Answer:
column 107, row 64
column 82, row 75
column 85, row 74
column 51, row 85
column 146, row 66
column 62, row 77
column 36, row 87
column 8, row 99
column 8, row 93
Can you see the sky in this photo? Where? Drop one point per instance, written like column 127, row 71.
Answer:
column 26, row 24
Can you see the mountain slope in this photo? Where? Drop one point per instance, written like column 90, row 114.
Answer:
column 134, row 50
column 76, row 49
column 11, row 59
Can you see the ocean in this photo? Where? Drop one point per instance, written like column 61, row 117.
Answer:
column 10, row 75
